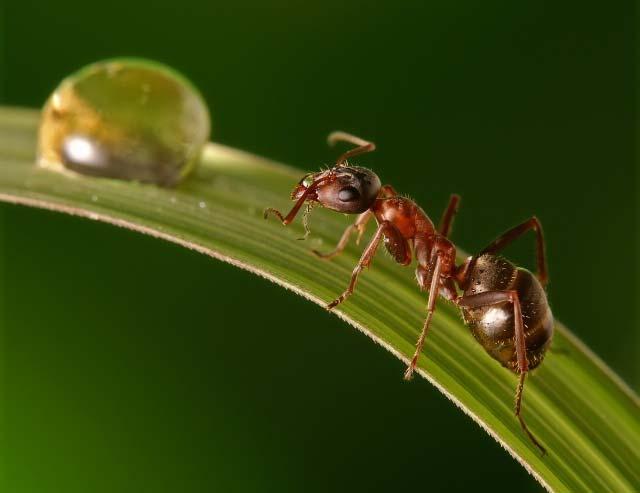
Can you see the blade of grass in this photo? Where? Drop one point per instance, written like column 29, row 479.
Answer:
column 583, row 413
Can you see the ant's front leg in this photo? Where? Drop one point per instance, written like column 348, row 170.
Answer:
column 286, row 220
column 359, row 226
column 400, row 247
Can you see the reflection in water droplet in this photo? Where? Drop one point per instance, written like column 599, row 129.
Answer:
column 128, row 119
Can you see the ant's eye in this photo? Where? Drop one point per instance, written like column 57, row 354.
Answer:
column 348, row 194
column 307, row 180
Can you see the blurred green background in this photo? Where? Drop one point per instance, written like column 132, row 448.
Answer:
column 132, row 365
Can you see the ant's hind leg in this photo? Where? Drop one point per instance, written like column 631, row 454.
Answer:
column 359, row 226
column 495, row 297
column 401, row 250
column 523, row 425
column 509, row 236
column 364, row 146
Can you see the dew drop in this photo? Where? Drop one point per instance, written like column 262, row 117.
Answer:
column 125, row 118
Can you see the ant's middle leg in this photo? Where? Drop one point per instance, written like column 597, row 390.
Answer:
column 387, row 229
column 447, row 217
column 493, row 298
column 433, row 273
column 508, row 237
column 359, row 226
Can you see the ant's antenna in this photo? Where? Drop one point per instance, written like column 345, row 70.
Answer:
column 363, row 146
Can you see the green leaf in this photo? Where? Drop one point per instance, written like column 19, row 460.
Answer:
column 581, row 411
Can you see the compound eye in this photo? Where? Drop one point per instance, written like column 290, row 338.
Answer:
column 348, row 194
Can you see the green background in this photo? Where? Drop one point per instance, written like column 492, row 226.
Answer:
column 133, row 365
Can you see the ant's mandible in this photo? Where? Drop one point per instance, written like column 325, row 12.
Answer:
column 505, row 306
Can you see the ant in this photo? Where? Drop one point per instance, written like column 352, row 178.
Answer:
column 505, row 306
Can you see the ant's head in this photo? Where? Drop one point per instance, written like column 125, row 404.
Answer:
column 347, row 189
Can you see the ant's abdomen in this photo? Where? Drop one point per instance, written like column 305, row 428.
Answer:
column 493, row 326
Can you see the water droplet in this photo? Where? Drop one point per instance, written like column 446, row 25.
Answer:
column 128, row 119
column 202, row 205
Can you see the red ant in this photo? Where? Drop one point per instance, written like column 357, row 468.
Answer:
column 505, row 306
